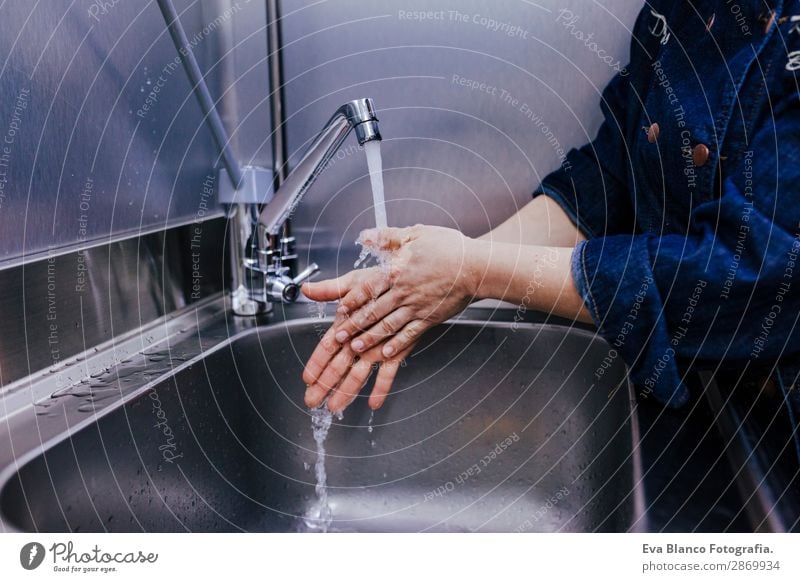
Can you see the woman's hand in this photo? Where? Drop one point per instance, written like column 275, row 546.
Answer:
column 335, row 370
column 431, row 275
column 425, row 282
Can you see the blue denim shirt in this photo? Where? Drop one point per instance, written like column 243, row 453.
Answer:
column 690, row 195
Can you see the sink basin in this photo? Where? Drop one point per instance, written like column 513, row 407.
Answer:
column 490, row 427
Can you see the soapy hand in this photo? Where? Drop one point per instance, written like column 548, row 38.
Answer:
column 384, row 311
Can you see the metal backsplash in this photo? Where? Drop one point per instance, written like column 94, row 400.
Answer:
column 101, row 136
column 477, row 101
column 69, row 303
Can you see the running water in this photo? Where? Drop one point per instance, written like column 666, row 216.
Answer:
column 370, row 427
column 319, row 516
column 375, row 164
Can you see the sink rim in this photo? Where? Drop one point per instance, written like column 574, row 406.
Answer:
column 10, row 467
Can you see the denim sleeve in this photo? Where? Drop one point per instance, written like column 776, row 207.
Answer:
column 727, row 290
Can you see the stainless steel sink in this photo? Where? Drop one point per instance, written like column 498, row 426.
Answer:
column 490, row 427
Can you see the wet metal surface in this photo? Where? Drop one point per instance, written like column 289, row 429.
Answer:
column 490, row 427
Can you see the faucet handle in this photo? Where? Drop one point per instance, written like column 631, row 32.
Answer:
column 281, row 288
column 306, row 274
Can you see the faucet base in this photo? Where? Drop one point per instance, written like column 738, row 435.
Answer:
column 243, row 305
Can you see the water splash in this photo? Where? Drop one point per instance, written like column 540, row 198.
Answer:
column 383, row 258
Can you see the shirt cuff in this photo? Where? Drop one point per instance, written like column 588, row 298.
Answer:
column 615, row 281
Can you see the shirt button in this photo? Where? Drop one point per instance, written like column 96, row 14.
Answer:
column 652, row 133
column 700, row 154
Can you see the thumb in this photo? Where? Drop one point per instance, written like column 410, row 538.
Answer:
column 330, row 289
column 386, row 239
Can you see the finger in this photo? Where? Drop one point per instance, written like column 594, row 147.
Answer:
column 330, row 289
column 386, row 239
column 349, row 388
column 387, row 327
column 336, row 369
column 315, row 395
column 366, row 316
column 405, row 337
column 372, row 283
column 326, row 349
column 385, row 378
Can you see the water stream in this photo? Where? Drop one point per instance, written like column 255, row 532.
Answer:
column 370, row 427
column 319, row 516
column 375, row 165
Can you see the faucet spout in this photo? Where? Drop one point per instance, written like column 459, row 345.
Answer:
column 361, row 114
column 358, row 115
column 267, row 278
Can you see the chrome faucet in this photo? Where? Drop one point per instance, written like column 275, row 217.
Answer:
column 266, row 276
column 257, row 254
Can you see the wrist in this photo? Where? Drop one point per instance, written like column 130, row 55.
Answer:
column 477, row 261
